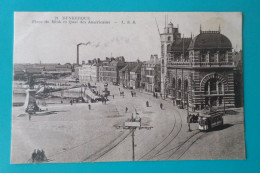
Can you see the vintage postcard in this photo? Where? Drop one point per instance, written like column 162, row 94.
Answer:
column 127, row 86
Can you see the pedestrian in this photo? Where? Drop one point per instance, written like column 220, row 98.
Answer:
column 30, row 116
column 71, row 102
column 38, row 153
column 147, row 104
column 34, row 155
column 43, row 156
column 161, row 106
column 113, row 96
column 156, row 95
column 126, row 109
column 89, row 106
column 188, row 118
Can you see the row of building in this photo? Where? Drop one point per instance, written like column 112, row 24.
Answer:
column 198, row 71
column 21, row 71
column 136, row 74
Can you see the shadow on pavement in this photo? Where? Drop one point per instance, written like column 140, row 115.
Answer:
column 225, row 126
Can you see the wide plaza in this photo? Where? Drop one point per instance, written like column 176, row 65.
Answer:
column 73, row 133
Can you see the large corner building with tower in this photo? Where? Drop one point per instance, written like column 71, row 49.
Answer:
column 198, row 71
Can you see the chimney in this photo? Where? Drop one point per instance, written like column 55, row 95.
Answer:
column 152, row 58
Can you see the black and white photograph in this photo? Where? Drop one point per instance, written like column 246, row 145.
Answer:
column 127, row 86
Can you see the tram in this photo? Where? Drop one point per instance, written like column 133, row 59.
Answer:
column 210, row 120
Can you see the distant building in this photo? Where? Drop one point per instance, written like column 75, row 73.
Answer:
column 109, row 69
column 90, row 72
column 135, row 76
column 21, row 71
column 151, row 75
column 199, row 69
column 124, row 73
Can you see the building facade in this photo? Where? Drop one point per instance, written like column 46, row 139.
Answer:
column 124, row 73
column 198, row 71
column 151, row 75
column 89, row 72
column 109, row 69
column 135, row 76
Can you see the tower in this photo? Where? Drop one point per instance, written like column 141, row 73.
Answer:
column 168, row 37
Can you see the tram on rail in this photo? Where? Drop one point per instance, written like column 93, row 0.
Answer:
column 210, row 120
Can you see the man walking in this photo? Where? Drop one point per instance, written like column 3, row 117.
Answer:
column 161, row 106
column 147, row 104
column 126, row 109
column 89, row 107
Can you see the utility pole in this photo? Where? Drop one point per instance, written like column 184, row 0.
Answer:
column 132, row 124
column 188, row 110
column 133, row 143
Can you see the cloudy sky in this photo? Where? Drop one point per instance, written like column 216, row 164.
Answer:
column 132, row 35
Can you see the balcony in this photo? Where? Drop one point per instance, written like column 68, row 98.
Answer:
column 214, row 92
column 200, row 64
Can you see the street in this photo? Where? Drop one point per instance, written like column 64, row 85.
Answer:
column 73, row 133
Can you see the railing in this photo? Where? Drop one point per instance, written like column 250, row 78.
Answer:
column 213, row 92
column 201, row 64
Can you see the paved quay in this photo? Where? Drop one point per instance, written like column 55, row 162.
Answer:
column 73, row 133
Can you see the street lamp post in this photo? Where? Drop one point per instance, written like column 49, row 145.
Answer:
column 78, row 50
column 188, row 111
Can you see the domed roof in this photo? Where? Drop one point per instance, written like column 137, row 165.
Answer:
column 210, row 40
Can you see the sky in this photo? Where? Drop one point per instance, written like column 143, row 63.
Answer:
column 52, row 37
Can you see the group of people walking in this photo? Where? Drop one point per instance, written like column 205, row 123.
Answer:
column 38, row 155
column 192, row 118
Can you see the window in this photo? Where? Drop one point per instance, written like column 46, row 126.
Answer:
column 179, row 84
column 173, row 83
column 168, row 47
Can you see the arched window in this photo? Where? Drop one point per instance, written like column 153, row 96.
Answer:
column 213, row 86
column 186, row 85
column 173, row 82
column 179, row 84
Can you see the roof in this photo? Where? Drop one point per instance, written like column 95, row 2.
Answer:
column 181, row 44
column 136, row 68
column 124, row 68
column 34, row 70
column 210, row 40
